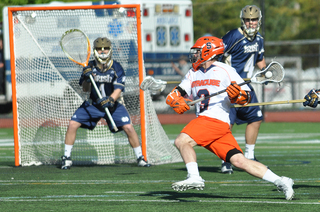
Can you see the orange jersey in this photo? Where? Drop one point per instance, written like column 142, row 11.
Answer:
column 204, row 82
column 213, row 134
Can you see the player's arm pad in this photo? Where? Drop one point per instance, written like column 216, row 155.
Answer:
column 177, row 102
column 238, row 96
column 181, row 90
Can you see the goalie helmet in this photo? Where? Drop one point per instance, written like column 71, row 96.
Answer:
column 250, row 12
column 102, row 43
column 206, row 48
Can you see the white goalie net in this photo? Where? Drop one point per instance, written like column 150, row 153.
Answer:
column 48, row 92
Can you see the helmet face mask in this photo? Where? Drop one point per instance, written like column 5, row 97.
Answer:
column 194, row 55
column 205, row 49
column 250, row 12
column 102, row 44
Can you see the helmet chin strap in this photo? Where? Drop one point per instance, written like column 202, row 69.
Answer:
column 104, row 66
column 246, row 34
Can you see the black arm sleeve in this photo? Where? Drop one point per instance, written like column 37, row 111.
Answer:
column 183, row 92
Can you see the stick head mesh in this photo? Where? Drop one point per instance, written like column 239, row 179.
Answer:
column 149, row 83
column 76, row 45
column 276, row 70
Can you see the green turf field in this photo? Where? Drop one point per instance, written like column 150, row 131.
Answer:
column 290, row 149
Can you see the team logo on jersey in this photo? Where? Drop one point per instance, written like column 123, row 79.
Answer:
column 206, row 82
column 125, row 119
column 251, row 48
column 105, row 78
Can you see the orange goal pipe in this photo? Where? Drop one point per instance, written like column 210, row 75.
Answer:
column 142, row 100
column 14, row 92
column 140, row 62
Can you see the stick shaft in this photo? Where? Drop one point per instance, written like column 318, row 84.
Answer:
column 106, row 109
column 270, row 103
column 214, row 94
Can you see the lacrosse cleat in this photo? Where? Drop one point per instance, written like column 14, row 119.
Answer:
column 285, row 184
column 190, row 183
column 142, row 162
column 66, row 162
column 226, row 168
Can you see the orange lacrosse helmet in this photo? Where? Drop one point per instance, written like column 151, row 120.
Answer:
column 205, row 49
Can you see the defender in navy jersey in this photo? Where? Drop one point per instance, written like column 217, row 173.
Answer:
column 109, row 77
column 244, row 49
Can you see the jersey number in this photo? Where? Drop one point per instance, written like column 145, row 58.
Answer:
column 205, row 103
column 102, row 91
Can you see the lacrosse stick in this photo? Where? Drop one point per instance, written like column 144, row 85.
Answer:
column 271, row 103
column 274, row 72
column 152, row 84
column 76, row 46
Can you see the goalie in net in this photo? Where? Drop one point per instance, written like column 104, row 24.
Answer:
column 109, row 77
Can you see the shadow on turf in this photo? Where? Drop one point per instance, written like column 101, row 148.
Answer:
column 182, row 196
column 178, row 196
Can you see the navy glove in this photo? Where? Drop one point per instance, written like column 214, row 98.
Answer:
column 86, row 72
column 311, row 99
column 105, row 102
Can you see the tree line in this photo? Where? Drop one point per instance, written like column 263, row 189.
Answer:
column 282, row 20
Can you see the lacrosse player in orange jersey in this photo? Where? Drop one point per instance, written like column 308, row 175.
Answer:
column 211, row 128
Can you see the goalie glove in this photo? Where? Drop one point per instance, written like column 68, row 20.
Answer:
column 311, row 98
column 236, row 95
column 105, row 102
column 86, row 72
column 177, row 102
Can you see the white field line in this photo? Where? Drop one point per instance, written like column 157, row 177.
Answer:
column 262, row 138
column 6, row 142
column 93, row 198
column 296, row 138
column 88, row 182
column 270, row 138
column 110, row 194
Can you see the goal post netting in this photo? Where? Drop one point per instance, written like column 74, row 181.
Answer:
column 46, row 92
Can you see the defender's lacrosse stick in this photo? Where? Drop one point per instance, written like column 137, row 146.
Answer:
column 76, row 45
column 271, row 103
column 276, row 102
column 152, row 84
column 274, row 72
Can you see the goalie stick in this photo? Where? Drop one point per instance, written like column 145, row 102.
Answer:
column 76, row 46
column 277, row 75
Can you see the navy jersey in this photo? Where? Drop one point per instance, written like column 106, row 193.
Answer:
column 107, row 81
column 241, row 53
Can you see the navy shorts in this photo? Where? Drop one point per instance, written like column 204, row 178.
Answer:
column 89, row 115
column 242, row 115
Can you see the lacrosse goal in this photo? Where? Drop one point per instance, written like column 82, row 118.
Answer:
column 45, row 89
